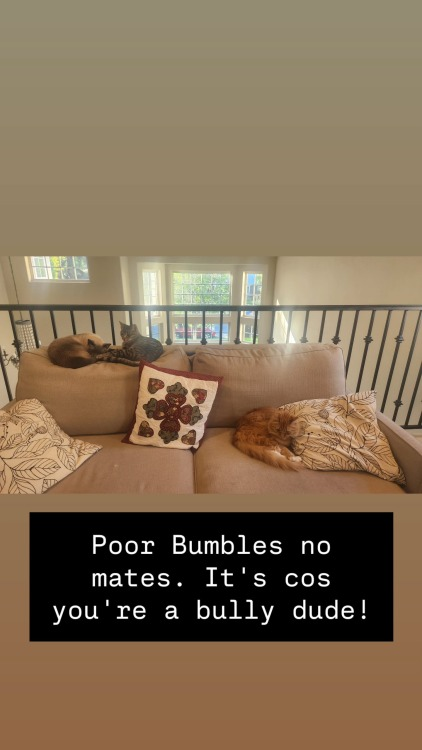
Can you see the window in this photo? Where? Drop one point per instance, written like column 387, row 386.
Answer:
column 59, row 268
column 194, row 285
column 202, row 288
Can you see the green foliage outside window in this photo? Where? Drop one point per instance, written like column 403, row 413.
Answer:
column 202, row 288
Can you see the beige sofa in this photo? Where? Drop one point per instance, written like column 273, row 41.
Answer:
column 96, row 403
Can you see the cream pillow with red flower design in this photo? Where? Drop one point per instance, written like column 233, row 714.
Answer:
column 173, row 407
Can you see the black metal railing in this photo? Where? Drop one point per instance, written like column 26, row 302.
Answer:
column 382, row 343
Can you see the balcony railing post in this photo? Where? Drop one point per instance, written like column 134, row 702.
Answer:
column 113, row 335
column 169, row 338
column 398, row 402
column 304, row 340
column 271, row 339
column 5, row 377
column 204, row 338
column 368, row 340
column 352, row 341
column 336, row 338
column 399, row 340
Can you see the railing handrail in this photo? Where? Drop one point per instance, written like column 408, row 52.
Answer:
column 200, row 308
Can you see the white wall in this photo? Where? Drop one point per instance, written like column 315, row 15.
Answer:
column 348, row 280
column 3, row 291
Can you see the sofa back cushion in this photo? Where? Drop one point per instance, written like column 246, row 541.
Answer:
column 95, row 400
column 269, row 375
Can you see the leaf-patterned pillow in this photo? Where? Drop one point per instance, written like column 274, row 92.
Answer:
column 35, row 453
column 342, row 434
column 173, row 407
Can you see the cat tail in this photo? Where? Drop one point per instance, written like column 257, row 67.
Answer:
column 118, row 360
column 268, row 456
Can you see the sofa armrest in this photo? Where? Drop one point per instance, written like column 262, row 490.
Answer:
column 407, row 451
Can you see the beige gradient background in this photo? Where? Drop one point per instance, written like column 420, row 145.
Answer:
column 230, row 127
column 210, row 128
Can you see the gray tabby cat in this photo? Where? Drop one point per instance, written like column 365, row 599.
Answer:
column 134, row 348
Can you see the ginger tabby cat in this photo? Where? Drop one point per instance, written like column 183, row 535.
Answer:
column 266, row 434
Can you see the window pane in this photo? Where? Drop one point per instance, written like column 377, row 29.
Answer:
column 40, row 273
column 248, row 335
column 201, row 288
column 150, row 284
column 60, row 267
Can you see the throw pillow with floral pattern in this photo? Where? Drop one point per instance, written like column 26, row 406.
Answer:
column 172, row 408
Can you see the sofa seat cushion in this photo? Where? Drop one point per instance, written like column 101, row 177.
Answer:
column 97, row 399
column 269, row 375
column 124, row 468
column 220, row 468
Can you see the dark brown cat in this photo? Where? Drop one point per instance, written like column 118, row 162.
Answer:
column 266, row 434
column 76, row 351
column 134, row 348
